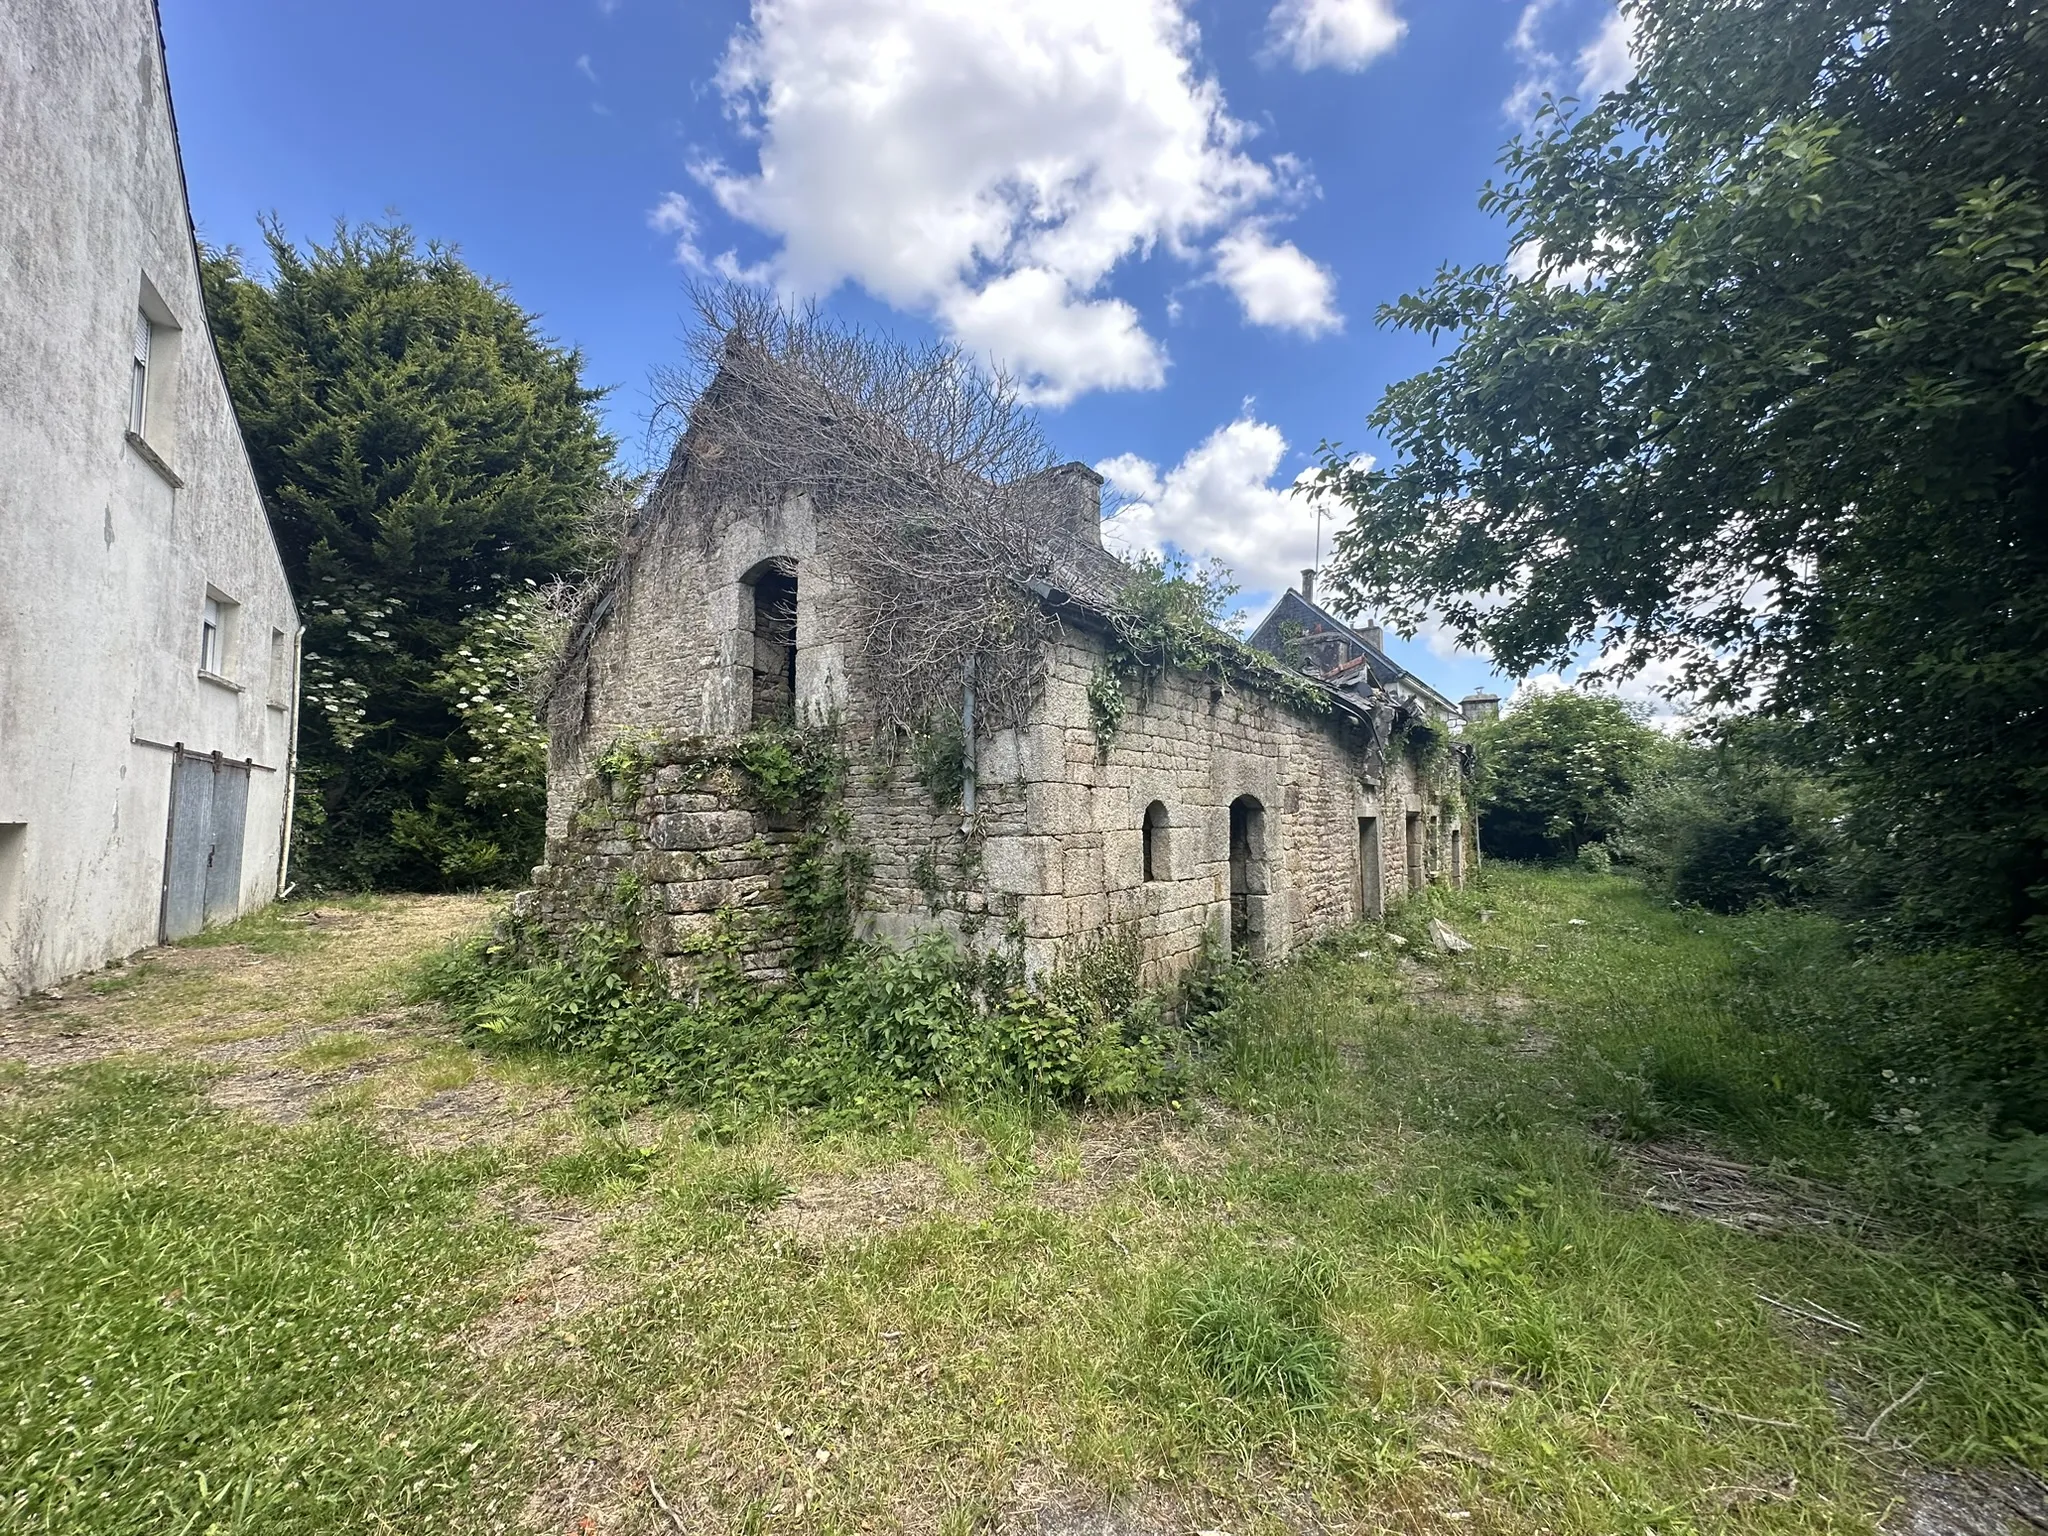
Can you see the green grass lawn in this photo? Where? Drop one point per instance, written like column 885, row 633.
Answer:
column 1402, row 1266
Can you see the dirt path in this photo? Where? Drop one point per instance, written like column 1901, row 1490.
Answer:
column 297, row 1011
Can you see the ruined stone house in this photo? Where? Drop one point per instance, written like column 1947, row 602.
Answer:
column 1244, row 804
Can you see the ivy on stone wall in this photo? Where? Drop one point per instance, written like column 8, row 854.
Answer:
column 793, row 774
column 1169, row 616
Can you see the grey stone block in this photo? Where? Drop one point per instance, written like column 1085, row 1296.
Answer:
column 693, row 830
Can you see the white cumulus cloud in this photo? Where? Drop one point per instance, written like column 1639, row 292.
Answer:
column 1277, row 284
column 992, row 165
column 1221, row 501
column 1342, row 34
column 673, row 215
column 1608, row 62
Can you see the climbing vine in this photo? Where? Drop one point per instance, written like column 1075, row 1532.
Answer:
column 1169, row 616
column 1106, row 704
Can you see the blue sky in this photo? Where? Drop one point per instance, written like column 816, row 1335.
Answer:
column 1174, row 219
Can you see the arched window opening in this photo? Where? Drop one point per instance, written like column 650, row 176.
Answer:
column 1157, row 854
column 772, row 633
column 1247, row 876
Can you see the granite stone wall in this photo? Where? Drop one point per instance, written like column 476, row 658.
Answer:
column 1051, row 855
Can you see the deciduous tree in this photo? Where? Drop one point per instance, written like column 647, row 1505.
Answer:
column 1766, row 395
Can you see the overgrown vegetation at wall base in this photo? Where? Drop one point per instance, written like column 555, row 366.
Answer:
column 862, row 1038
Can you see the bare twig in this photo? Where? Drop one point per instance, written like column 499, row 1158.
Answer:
column 1470, row 1458
column 1730, row 1413
column 663, row 1504
column 1912, row 1392
column 1825, row 1319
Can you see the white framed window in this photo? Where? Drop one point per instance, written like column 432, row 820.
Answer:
column 212, row 637
column 218, row 616
column 138, row 376
column 154, row 349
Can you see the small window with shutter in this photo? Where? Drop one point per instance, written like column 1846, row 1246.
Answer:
column 138, row 377
column 212, row 637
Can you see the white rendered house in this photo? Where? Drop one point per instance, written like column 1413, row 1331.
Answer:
column 148, row 638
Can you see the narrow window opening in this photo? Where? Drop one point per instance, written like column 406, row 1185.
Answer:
column 1156, row 853
column 773, row 634
column 1247, row 876
column 1418, row 873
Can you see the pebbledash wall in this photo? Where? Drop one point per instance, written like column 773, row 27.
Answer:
column 1053, row 853
column 129, row 520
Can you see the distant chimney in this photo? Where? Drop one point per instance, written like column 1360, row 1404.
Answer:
column 1308, row 584
column 1075, row 499
column 1479, row 706
column 1374, row 636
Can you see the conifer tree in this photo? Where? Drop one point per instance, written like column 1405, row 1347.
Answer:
column 430, row 462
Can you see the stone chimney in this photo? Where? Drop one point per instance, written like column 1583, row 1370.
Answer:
column 1478, row 706
column 1308, row 584
column 1374, row 635
column 1074, row 499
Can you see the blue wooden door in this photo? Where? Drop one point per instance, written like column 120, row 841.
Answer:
column 203, row 850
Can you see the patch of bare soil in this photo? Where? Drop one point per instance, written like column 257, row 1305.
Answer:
column 1115, row 1149
column 1109, row 1154
column 1987, row 1502
column 1684, row 1179
column 484, row 1112
column 1425, row 988
column 556, row 1284
column 1044, row 1506
column 880, row 1200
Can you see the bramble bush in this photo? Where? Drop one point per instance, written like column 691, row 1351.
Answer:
column 1730, row 824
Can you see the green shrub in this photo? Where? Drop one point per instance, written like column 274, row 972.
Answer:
column 1556, row 773
column 1729, row 827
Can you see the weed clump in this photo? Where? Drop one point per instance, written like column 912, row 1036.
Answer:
column 1255, row 1328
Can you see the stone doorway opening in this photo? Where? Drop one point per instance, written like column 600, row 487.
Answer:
column 1372, row 891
